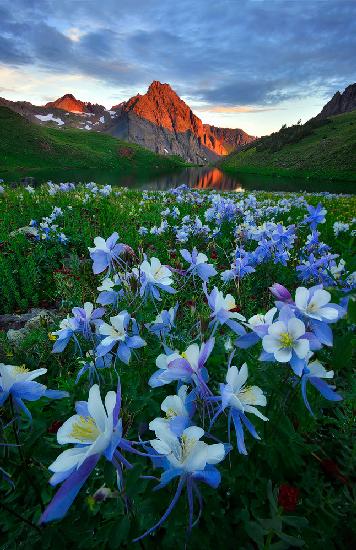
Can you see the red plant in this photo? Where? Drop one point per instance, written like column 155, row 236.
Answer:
column 288, row 497
column 54, row 427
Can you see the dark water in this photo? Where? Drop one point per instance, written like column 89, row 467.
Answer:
column 198, row 178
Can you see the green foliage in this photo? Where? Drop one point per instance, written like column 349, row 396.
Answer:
column 26, row 146
column 319, row 148
column 314, row 454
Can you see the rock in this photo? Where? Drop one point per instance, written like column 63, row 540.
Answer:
column 72, row 105
column 43, row 316
column 231, row 138
column 340, row 103
column 32, row 319
column 162, row 122
column 15, row 337
column 158, row 120
column 27, row 230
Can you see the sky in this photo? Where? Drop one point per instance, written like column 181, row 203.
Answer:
column 250, row 64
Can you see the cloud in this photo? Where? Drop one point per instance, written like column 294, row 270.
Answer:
column 230, row 55
column 235, row 109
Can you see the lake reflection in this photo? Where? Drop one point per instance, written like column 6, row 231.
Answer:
column 196, row 178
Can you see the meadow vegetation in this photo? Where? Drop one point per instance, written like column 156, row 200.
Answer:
column 293, row 486
column 317, row 149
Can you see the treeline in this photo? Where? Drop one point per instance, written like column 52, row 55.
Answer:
column 286, row 136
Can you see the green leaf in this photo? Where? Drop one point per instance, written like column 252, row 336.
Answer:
column 273, row 524
column 295, row 521
column 119, row 533
column 292, row 541
column 255, row 532
column 271, row 498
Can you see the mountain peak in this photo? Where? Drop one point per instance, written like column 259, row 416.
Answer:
column 68, row 103
column 344, row 102
column 163, row 107
column 157, row 85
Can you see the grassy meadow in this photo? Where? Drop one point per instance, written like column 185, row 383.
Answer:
column 319, row 149
column 308, row 457
column 27, row 147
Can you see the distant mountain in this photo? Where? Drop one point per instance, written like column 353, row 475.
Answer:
column 340, row 103
column 65, row 112
column 72, row 105
column 232, row 139
column 31, row 147
column 161, row 121
column 158, row 120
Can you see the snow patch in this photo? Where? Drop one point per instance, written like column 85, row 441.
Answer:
column 102, row 119
column 47, row 118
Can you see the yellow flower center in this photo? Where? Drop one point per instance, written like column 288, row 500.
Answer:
column 21, row 369
column 184, row 355
column 286, row 339
column 52, row 337
column 247, row 395
column 85, row 429
column 170, row 413
column 158, row 273
column 186, row 446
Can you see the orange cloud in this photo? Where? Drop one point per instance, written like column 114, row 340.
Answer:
column 236, row 109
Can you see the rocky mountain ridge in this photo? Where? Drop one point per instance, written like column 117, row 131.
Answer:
column 340, row 103
column 158, row 120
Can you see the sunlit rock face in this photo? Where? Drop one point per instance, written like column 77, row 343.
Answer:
column 67, row 103
column 70, row 104
column 344, row 102
column 161, row 121
column 230, row 138
column 158, row 120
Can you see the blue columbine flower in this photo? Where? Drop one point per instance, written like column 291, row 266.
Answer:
column 116, row 333
column 154, row 277
column 224, row 311
column 19, row 384
column 67, row 329
column 198, row 264
column 313, row 305
column 239, row 399
column 163, row 323
column 191, row 460
column 95, row 430
column 188, row 367
column 315, row 373
column 287, row 341
column 179, row 410
column 316, row 215
column 106, row 253
column 88, row 317
column 110, row 291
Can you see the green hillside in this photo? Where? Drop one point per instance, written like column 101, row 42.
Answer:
column 26, row 146
column 319, row 148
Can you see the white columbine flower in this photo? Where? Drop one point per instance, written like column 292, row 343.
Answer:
column 155, row 272
column 314, row 304
column 284, row 338
column 260, row 319
column 173, row 406
column 115, row 332
column 244, row 398
column 187, row 452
